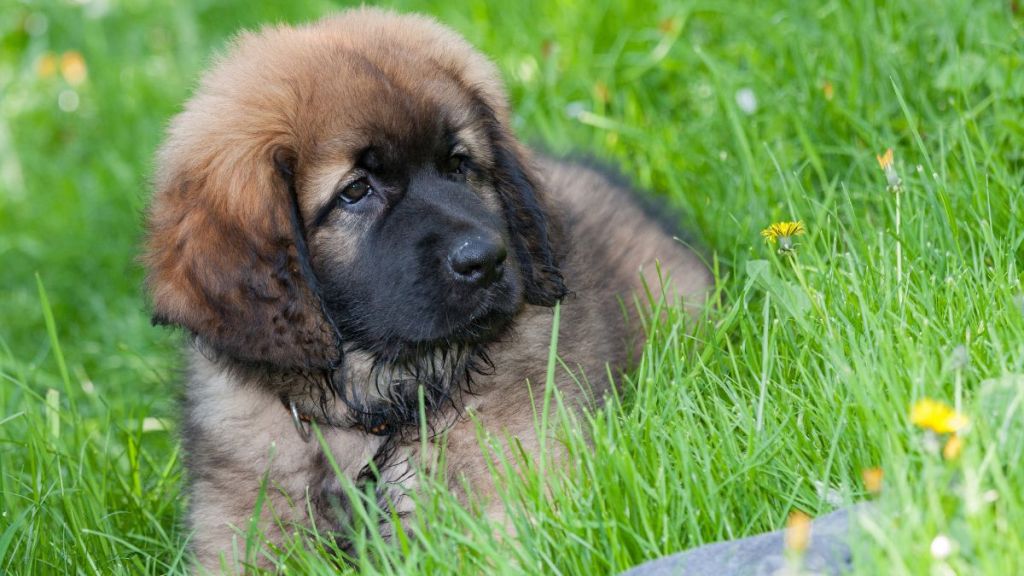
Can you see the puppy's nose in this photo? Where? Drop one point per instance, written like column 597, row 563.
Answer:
column 477, row 260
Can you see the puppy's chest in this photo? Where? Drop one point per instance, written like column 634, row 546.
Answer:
column 238, row 432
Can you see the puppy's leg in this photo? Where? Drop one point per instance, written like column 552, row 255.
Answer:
column 251, row 477
column 252, row 472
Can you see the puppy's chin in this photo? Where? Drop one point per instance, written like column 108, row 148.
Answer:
column 476, row 332
column 484, row 328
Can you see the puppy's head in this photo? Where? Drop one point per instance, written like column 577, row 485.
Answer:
column 357, row 173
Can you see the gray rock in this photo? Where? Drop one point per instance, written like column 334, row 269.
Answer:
column 763, row 555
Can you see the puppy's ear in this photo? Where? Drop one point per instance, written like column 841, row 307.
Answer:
column 525, row 212
column 221, row 252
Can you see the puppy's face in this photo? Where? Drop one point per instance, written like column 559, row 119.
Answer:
column 407, row 231
column 359, row 174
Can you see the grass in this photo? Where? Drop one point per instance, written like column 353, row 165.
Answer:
column 800, row 378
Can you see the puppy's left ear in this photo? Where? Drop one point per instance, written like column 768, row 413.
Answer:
column 525, row 211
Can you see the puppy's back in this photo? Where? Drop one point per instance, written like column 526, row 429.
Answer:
column 614, row 239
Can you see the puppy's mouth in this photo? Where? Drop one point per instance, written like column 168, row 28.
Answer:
column 477, row 330
column 483, row 325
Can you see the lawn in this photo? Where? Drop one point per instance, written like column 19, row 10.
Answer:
column 797, row 384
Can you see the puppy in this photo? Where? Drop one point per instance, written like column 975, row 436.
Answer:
column 344, row 223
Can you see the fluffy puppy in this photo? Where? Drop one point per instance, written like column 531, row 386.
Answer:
column 343, row 221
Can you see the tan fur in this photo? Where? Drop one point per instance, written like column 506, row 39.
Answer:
column 219, row 232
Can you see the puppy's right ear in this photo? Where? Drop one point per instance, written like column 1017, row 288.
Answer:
column 221, row 253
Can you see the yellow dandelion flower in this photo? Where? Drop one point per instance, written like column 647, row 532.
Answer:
column 886, row 163
column 46, row 67
column 783, row 233
column 72, row 68
column 872, row 479
column 885, row 160
column 828, row 90
column 798, row 531
column 953, row 447
column 937, row 416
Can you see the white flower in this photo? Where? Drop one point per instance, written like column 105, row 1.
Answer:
column 746, row 100
column 942, row 547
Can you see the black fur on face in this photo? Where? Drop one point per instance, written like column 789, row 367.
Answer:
column 396, row 294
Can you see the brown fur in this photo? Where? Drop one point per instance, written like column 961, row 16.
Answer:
column 225, row 264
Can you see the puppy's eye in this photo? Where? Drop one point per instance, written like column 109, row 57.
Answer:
column 355, row 191
column 456, row 164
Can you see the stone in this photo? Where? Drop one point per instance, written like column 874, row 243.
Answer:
column 763, row 555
